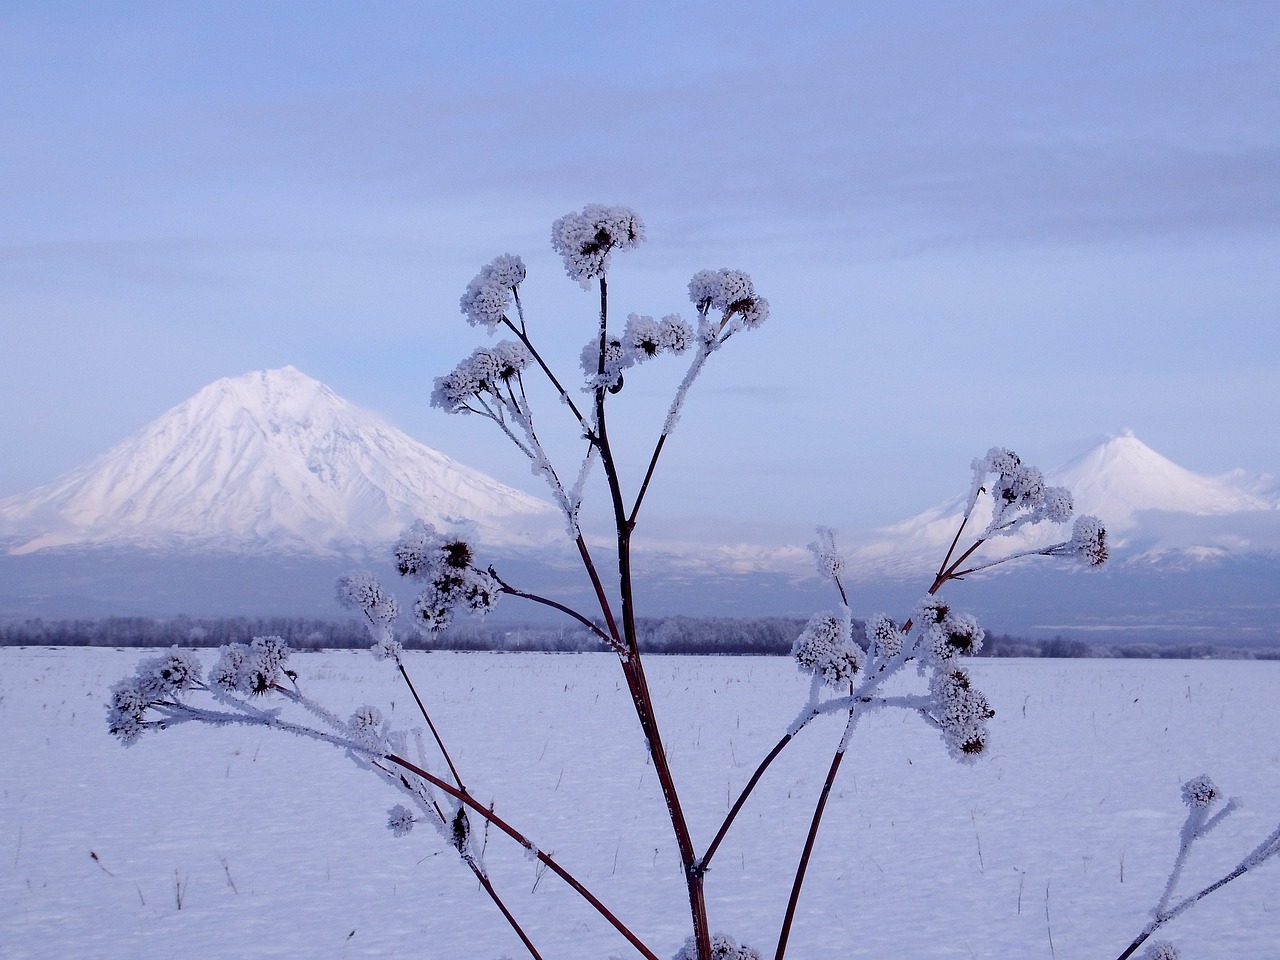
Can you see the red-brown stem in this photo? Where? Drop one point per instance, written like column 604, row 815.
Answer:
column 434, row 732
column 742, row 799
column 556, row 605
column 497, row 901
column 524, row 841
column 785, row 933
column 633, row 667
column 951, row 549
column 601, row 597
column 524, row 338
column 648, row 475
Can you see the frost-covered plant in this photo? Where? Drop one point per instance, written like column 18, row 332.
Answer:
column 250, row 684
column 1200, row 795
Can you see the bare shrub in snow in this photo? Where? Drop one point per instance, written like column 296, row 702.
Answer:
column 914, row 665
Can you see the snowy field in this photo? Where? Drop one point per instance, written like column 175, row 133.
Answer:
column 208, row 843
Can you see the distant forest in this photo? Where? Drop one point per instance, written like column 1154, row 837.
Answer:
column 728, row 636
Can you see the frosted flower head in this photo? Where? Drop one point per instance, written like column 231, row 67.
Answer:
column 251, row 669
column 586, row 240
column 1089, row 541
column 884, row 637
column 961, row 713
column 723, row 947
column 1018, row 493
column 825, row 648
column 364, row 592
column 730, row 292
column 169, row 673
column 946, row 634
column 829, row 559
column 366, row 718
column 510, row 358
column 1161, row 950
column 129, row 702
column 387, row 647
column 616, row 359
column 400, row 820
column 488, row 295
column 1199, row 792
column 415, row 550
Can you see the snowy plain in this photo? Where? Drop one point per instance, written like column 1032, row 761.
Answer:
column 1054, row 846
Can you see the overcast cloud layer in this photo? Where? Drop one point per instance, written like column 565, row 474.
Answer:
column 1025, row 224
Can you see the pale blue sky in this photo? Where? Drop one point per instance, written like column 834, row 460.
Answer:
column 1020, row 223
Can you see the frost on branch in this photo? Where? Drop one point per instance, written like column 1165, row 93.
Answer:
column 732, row 294
column 830, row 560
column 1162, row 950
column 586, row 240
column 156, row 680
column 723, row 947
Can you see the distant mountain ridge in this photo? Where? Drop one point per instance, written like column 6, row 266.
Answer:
column 271, row 461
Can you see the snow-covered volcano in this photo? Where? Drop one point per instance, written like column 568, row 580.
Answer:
column 269, row 461
column 1155, row 512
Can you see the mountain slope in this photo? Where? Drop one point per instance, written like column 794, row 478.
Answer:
column 275, row 461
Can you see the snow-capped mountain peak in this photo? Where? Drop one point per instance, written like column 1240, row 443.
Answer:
column 1154, row 510
column 1122, row 476
column 271, row 460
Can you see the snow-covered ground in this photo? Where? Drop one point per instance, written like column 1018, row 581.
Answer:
column 1055, row 846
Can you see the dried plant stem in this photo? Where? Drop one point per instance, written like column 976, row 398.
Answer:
column 518, row 837
column 809, row 841
column 705, row 860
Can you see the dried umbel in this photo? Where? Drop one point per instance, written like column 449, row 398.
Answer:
column 826, row 648
column 586, row 240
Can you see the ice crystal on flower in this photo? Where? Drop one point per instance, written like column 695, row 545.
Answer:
column 723, row 947
column 364, row 592
column 586, row 240
column 400, row 820
column 825, row 648
column 1161, row 950
column 488, row 295
column 1199, row 792
column 387, row 648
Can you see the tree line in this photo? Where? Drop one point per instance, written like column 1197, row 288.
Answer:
column 726, row 636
